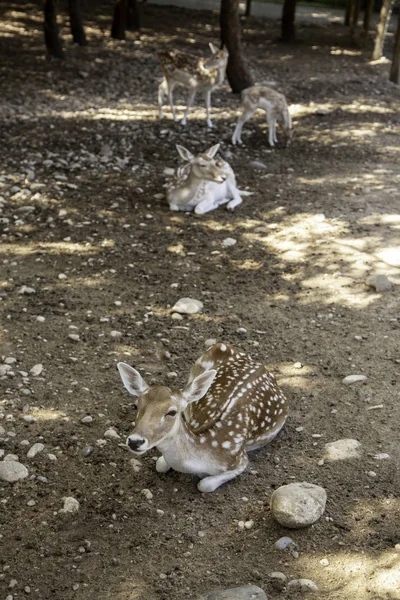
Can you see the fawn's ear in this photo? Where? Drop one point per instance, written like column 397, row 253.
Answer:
column 184, row 153
column 132, row 380
column 213, row 48
column 211, row 152
column 198, row 388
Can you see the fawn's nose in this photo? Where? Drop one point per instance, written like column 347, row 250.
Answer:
column 135, row 443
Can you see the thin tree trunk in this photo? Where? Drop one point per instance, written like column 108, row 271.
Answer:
column 288, row 21
column 248, row 8
column 237, row 73
column 77, row 30
column 395, row 68
column 367, row 19
column 354, row 17
column 119, row 20
column 347, row 14
column 51, row 37
column 133, row 18
column 384, row 18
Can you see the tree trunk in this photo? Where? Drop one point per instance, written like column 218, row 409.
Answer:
column 367, row 19
column 77, row 30
column 395, row 68
column 349, row 10
column 51, row 37
column 384, row 18
column 248, row 8
column 354, row 17
column 236, row 71
column 119, row 20
column 133, row 18
column 288, row 21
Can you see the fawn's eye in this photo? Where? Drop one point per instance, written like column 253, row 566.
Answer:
column 171, row 413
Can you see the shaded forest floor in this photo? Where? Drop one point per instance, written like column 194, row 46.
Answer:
column 85, row 225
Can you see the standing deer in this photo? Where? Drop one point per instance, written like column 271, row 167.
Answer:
column 203, row 183
column 196, row 74
column 275, row 107
column 229, row 406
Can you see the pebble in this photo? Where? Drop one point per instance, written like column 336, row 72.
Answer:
column 301, row 585
column 2, row 430
column 11, row 457
column 353, row 379
column 25, row 290
column 12, row 471
column 35, row 449
column 241, row 330
column 210, row 342
column 10, row 360
column 201, row 534
column 229, row 242
column 283, row 543
column 31, row 503
column 297, row 365
column 136, row 464
column 371, row 474
column 86, row 420
column 40, row 319
column 298, row 504
column 258, row 165
column 379, row 282
column 52, row 457
column 176, row 316
column 249, row 524
column 187, row 306
column 29, row 418
column 27, row 589
column 278, row 580
column 324, row 562
column 342, row 449
column 4, row 369
column 147, row 494
column 13, row 583
column 382, row 456
column 62, row 276
column 246, row 592
column 87, row 451
column 71, row 505
column 36, row 370
column 115, row 334
column 75, row 587
column 112, row 434
column 74, row 337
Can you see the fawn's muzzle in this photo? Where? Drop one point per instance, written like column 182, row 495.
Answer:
column 135, row 443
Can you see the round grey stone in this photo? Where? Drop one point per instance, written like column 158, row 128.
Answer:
column 298, row 504
column 246, row 592
column 12, row 470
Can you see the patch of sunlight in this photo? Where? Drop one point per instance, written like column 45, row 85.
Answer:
column 334, row 288
column 127, row 350
column 45, row 414
column 378, row 219
column 361, row 576
column 390, row 256
column 295, row 378
column 341, row 51
column 49, row 247
column 248, row 265
column 177, row 249
column 300, row 110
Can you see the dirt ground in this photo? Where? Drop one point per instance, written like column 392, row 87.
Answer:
column 85, row 225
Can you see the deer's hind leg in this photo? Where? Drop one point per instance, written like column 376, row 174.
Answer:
column 211, row 483
column 162, row 92
column 191, row 97
column 171, row 98
column 248, row 112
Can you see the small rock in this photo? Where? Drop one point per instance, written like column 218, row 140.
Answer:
column 382, row 456
column 298, row 504
column 283, row 543
column 52, row 457
column 4, row 369
column 35, row 449
column 278, row 580
column 301, row 585
column 324, row 562
column 371, row 474
column 29, row 418
column 25, row 290
column 136, row 464
column 147, row 494
column 31, row 503
column 86, row 420
column 11, row 457
column 176, row 317
column 249, row 524
column 74, row 337
column 187, row 306
column 12, row 471
column 353, row 379
column 246, row 592
column 115, row 334
column 71, row 505
column 10, row 360
column 62, row 276
column 40, row 319
column 87, row 451
column 297, row 365
column 380, row 282
column 241, row 331
column 258, row 165
column 342, row 449
column 13, row 583
column 36, row 370
column 210, row 342
column 229, row 242
column 112, row 434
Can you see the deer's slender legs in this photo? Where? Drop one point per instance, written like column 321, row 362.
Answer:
column 171, row 98
column 236, row 200
column 191, row 97
column 209, row 484
column 274, row 129
column 206, row 205
column 245, row 116
column 208, row 105
column 270, row 122
column 162, row 92
column 161, row 465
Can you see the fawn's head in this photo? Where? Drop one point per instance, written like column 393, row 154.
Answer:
column 219, row 58
column 159, row 407
column 203, row 165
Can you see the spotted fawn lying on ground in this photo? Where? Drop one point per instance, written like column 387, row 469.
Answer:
column 230, row 405
column 196, row 74
column 275, row 107
column 203, row 183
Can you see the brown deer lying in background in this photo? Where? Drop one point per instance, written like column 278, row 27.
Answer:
column 196, row 74
column 229, row 406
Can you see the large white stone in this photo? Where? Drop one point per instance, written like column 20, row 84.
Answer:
column 71, row 505
column 246, row 592
column 36, row 370
column 302, row 585
column 12, row 471
column 36, row 449
column 342, row 450
column 298, row 504
column 188, row 306
column 353, row 379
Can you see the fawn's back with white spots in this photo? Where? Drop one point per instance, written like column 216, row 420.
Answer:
column 231, row 404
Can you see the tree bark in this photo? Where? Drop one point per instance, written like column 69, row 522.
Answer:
column 77, row 30
column 51, row 37
column 349, row 10
column 133, row 18
column 288, row 21
column 384, row 18
column 367, row 19
column 354, row 17
column 248, row 8
column 395, row 68
column 119, row 20
column 237, row 73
